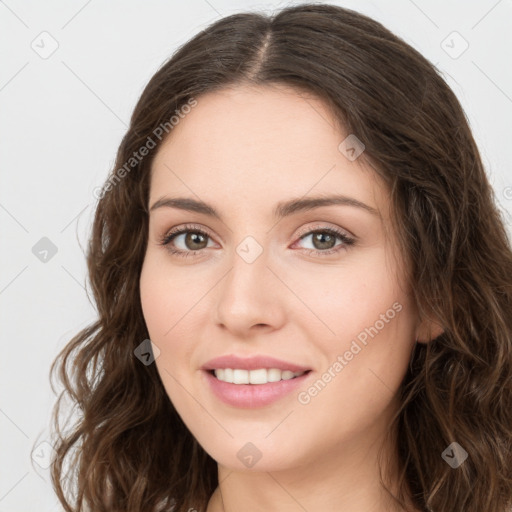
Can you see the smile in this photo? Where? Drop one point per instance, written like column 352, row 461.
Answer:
column 261, row 392
column 258, row 376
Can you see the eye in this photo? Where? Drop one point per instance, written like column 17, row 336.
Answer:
column 324, row 240
column 191, row 237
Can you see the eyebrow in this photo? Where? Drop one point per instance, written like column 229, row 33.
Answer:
column 282, row 209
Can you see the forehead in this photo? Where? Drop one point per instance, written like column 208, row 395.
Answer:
column 263, row 143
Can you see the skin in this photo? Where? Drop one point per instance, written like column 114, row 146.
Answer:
column 243, row 150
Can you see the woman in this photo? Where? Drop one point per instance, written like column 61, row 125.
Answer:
column 304, row 287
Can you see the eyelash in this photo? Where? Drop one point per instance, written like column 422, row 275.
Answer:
column 170, row 236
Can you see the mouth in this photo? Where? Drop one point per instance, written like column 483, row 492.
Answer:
column 254, row 389
column 258, row 376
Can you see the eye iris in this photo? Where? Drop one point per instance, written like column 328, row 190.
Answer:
column 325, row 240
column 195, row 238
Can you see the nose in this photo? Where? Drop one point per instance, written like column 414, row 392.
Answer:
column 250, row 298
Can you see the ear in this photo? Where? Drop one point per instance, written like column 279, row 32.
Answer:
column 428, row 330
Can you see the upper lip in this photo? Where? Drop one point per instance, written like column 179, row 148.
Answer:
column 251, row 363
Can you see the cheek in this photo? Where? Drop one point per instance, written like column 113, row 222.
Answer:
column 162, row 308
column 171, row 305
column 155, row 307
column 368, row 321
column 165, row 295
column 357, row 388
column 342, row 301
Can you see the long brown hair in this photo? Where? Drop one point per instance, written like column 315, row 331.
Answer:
column 129, row 450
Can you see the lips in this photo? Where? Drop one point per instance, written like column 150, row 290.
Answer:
column 250, row 396
column 252, row 363
column 239, row 382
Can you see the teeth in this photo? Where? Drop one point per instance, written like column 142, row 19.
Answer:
column 260, row 376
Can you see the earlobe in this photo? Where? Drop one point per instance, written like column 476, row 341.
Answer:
column 429, row 330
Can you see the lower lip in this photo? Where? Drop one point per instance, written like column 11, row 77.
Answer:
column 250, row 396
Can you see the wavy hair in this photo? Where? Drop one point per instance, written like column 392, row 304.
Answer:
column 125, row 452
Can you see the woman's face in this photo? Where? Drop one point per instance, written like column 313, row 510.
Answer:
column 294, row 265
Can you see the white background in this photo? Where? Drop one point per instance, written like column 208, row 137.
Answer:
column 61, row 120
